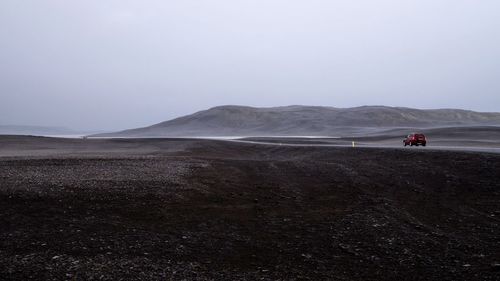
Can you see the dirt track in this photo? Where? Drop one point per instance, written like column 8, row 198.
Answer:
column 212, row 210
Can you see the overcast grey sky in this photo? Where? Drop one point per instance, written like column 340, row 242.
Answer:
column 98, row 64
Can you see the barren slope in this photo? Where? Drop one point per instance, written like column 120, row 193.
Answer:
column 305, row 120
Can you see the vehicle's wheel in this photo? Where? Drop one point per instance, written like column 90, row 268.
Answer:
column 423, row 144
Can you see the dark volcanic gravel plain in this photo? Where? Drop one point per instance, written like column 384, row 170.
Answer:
column 212, row 210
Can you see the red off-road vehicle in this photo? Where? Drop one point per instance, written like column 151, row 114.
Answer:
column 415, row 139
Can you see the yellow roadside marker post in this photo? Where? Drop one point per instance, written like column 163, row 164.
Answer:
column 352, row 144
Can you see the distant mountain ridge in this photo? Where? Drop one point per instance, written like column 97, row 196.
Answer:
column 34, row 130
column 296, row 120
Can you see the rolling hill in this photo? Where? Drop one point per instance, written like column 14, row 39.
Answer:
column 305, row 121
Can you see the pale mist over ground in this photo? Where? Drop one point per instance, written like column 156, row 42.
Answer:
column 111, row 65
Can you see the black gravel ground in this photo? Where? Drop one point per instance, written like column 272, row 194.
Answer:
column 211, row 210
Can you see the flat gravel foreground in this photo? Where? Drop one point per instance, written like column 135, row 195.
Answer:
column 211, row 210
